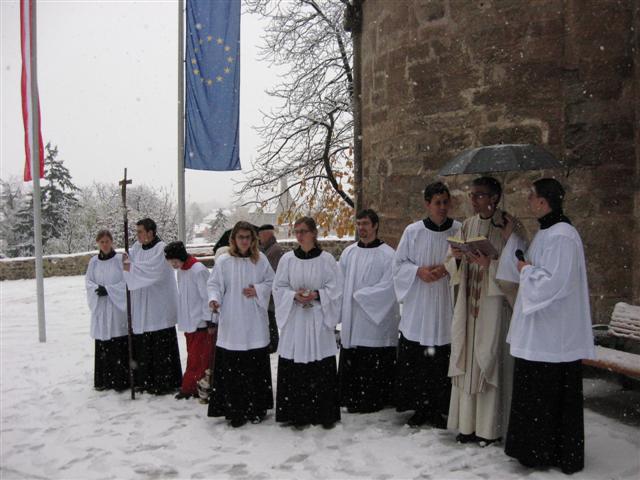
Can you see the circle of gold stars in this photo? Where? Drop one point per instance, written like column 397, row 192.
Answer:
column 194, row 62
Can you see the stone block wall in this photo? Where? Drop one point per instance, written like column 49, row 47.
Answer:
column 53, row 266
column 442, row 76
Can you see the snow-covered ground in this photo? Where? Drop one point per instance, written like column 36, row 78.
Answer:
column 54, row 425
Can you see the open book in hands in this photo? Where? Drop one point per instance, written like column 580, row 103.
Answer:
column 480, row 244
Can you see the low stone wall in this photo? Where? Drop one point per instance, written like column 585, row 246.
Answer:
column 76, row 264
column 53, row 266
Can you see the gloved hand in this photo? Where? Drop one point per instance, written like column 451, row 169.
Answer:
column 101, row 291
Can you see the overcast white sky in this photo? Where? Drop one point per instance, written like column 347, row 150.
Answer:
column 107, row 73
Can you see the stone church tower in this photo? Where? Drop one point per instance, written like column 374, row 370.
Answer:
column 442, row 76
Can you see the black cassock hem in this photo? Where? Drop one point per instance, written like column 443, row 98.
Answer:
column 307, row 392
column 546, row 423
column 422, row 383
column 366, row 376
column 157, row 360
column 111, row 366
column 242, row 387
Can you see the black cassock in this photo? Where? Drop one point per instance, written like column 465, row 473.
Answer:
column 112, row 364
column 422, row 383
column 157, row 360
column 546, row 425
column 241, row 384
column 366, row 378
column 307, row 392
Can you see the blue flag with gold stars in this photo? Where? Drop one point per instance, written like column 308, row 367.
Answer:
column 213, row 85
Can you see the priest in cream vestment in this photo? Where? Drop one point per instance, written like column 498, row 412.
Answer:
column 480, row 367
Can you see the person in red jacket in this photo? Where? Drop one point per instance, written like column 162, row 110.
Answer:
column 194, row 315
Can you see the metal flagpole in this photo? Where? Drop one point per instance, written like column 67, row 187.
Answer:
column 35, row 174
column 181, row 190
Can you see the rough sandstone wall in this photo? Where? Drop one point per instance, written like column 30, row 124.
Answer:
column 442, row 76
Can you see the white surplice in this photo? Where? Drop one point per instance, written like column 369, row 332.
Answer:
column 243, row 323
column 551, row 319
column 193, row 303
column 108, row 313
column 154, row 294
column 508, row 263
column 370, row 312
column 426, row 307
column 307, row 334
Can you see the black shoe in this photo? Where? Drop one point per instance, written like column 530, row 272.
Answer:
column 466, row 438
column 438, row 421
column 183, row 396
column 258, row 418
column 529, row 464
column 328, row 425
column 484, row 442
column 238, row 422
column 417, row 419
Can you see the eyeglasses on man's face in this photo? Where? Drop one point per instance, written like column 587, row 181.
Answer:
column 478, row 195
column 301, row 232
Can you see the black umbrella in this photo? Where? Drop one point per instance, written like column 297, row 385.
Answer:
column 501, row 158
column 223, row 241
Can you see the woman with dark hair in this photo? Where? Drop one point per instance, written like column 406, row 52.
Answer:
column 239, row 288
column 107, row 302
column 307, row 292
column 549, row 335
column 194, row 315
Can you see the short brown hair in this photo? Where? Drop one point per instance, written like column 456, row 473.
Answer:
column 103, row 233
column 311, row 225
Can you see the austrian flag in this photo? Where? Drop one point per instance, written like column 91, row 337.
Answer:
column 30, row 100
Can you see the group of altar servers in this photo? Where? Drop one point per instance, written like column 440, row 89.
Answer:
column 489, row 347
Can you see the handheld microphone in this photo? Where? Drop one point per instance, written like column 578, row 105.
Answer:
column 520, row 255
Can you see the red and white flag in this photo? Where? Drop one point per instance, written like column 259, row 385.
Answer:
column 30, row 99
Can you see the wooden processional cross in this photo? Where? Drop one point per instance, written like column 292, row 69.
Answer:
column 123, row 183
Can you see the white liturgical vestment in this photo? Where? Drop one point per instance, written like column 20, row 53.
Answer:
column 154, row 294
column 370, row 312
column 551, row 318
column 427, row 308
column 193, row 304
column 108, row 313
column 307, row 334
column 243, row 323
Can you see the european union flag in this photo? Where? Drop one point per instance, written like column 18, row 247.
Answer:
column 213, row 85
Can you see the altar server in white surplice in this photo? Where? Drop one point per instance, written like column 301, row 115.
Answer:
column 307, row 292
column 550, row 334
column 107, row 302
column 239, row 288
column 370, row 317
column 154, row 312
column 422, row 287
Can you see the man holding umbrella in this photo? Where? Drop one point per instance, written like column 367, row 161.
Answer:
column 480, row 320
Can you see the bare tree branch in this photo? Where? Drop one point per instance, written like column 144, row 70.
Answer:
column 308, row 138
